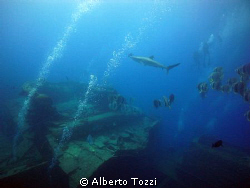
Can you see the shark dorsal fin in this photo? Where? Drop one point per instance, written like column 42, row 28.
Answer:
column 151, row 57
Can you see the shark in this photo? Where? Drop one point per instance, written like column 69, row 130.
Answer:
column 149, row 61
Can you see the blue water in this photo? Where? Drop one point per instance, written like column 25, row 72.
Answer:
column 29, row 31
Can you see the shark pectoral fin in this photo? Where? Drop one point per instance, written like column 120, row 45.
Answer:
column 172, row 66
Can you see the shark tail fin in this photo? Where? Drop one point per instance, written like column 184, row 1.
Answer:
column 129, row 55
column 172, row 66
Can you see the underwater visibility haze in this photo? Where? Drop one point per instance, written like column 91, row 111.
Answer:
column 155, row 90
